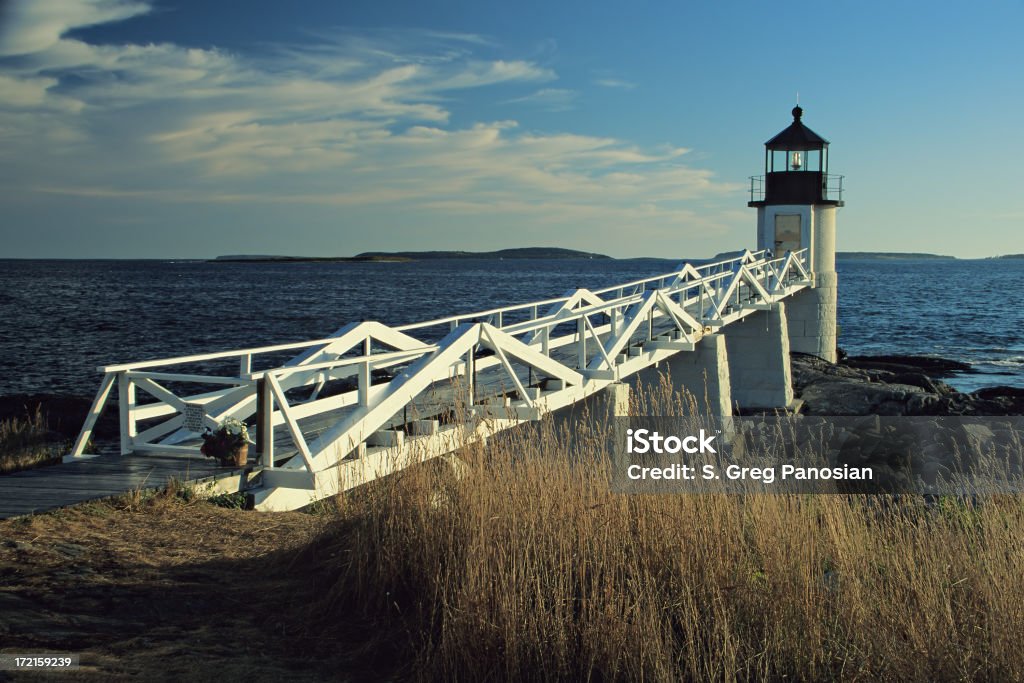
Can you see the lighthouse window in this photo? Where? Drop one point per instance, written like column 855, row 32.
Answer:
column 796, row 160
column 780, row 160
column 812, row 160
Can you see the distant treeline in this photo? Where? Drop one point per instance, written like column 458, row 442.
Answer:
column 557, row 253
column 890, row 255
column 253, row 258
column 523, row 253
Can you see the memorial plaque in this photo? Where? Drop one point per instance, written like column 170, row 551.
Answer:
column 195, row 415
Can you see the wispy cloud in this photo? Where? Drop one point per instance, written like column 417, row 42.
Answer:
column 35, row 25
column 550, row 99
column 614, row 83
column 340, row 121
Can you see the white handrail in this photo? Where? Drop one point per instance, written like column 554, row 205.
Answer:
column 710, row 294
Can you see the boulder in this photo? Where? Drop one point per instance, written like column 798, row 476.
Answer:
column 894, row 385
column 853, row 397
column 1011, row 398
column 929, row 365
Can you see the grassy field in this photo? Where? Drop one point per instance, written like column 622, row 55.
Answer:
column 526, row 567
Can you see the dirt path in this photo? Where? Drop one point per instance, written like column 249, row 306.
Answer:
column 162, row 589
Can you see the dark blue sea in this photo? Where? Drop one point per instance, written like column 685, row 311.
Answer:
column 64, row 318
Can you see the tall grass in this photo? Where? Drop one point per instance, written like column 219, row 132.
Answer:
column 529, row 568
column 26, row 442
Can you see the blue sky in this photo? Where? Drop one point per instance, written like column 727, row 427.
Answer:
column 172, row 129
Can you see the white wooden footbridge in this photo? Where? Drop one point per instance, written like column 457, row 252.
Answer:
column 372, row 399
column 334, row 413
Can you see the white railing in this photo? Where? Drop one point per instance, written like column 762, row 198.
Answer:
column 572, row 345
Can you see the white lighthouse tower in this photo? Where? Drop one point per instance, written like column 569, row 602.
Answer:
column 796, row 202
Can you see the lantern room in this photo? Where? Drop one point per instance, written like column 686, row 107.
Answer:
column 796, row 169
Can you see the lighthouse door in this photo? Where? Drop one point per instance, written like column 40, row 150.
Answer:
column 787, row 233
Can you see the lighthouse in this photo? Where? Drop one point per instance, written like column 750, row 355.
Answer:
column 796, row 201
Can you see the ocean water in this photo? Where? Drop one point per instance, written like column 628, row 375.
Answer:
column 966, row 310
column 62, row 319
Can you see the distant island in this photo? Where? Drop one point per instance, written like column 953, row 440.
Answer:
column 404, row 256
column 260, row 258
column 858, row 255
column 891, row 255
column 556, row 253
column 521, row 253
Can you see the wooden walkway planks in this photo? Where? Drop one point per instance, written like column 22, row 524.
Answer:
column 46, row 488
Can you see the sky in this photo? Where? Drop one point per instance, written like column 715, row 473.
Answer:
column 189, row 129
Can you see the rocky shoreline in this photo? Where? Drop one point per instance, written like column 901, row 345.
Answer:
column 894, row 385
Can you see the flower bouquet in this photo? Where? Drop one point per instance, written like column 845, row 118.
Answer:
column 229, row 443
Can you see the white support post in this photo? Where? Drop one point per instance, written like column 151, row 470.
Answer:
column 126, row 407
column 470, row 377
column 365, row 378
column 364, row 383
column 509, row 369
column 322, row 375
column 290, row 422
column 703, row 373
column 758, row 352
column 602, row 407
column 265, row 423
column 600, row 346
column 245, row 365
column 94, row 412
column 581, row 344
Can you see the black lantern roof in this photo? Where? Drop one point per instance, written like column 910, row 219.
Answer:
column 797, row 137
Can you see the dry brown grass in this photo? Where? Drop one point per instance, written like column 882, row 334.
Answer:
column 155, row 588
column 26, row 443
column 529, row 568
